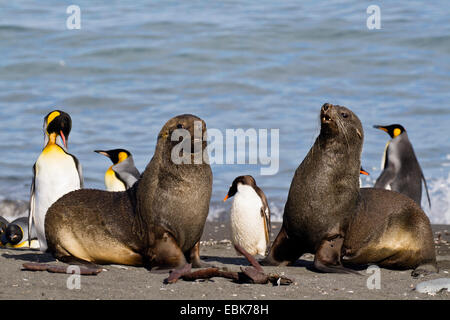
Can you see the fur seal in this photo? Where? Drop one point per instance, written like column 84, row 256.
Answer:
column 157, row 223
column 374, row 226
column 391, row 231
column 323, row 194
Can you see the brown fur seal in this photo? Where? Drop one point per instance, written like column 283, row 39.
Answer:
column 323, row 195
column 392, row 231
column 157, row 223
column 327, row 216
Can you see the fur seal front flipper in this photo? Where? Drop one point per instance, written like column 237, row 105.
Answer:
column 157, row 223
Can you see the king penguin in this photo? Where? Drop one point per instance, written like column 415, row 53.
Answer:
column 16, row 235
column 3, row 225
column 401, row 170
column 250, row 215
column 55, row 173
column 123, row 173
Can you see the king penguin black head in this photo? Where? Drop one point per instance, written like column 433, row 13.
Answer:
column 3, row 225
column 58, row 122
column 116, row 155
column 14, row 234
column 245, row 180
column 394, row 130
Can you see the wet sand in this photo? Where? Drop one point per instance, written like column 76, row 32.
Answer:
column 120, row 282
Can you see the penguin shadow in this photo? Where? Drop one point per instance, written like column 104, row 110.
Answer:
column 28, row 256
column 239, row 261
column 242, row 261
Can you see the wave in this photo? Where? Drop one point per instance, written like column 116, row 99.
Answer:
column 13, row 209
column 439, row 213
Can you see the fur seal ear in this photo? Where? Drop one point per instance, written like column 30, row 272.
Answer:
column 164, row 135
column 359, row 133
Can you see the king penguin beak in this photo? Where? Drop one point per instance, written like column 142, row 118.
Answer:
column 102, row 152
column 63, row 139
column 381, row 128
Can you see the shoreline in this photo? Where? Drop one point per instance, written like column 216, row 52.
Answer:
column 124, row 282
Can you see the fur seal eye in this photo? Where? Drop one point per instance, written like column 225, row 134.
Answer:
column 179, row 126
column 344, row 115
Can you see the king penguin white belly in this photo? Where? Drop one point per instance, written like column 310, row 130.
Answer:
column 112, row 183
column 247, row 224
column 56, row 175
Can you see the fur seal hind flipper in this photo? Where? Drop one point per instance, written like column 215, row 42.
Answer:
column 284, row 251
column 194, row 258
column 424, row 270
column 328, row 256
column 164, row 253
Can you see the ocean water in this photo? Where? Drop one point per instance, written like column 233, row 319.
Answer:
column 236, row 64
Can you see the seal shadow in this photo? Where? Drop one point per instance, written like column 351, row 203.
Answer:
column 309, row 265
column 30, row 257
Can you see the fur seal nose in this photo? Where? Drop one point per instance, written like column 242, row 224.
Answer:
column 325, row 113
column 327, row 106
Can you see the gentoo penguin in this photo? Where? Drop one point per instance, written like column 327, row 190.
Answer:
column 16, row 235
column 364, row 172
column 401, row 170
column 250, row 215
column 123, row 173
column 55, row 173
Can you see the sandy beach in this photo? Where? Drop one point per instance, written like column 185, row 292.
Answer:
column 120, row 282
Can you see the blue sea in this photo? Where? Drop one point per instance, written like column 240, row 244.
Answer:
column 133, row 65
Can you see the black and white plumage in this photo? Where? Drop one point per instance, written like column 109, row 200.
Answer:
column 55, row 173
column 401, row 169
column 250, row 215
column 123, row 173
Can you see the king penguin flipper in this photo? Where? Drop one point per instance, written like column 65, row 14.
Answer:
column 79, row 169
column 426, row 189
column 385, row 179
column 127, row 172
column 32, row 205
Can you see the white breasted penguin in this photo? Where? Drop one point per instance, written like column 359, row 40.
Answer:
column 401, row 170
column 250, row 215
column 364, row 172
column 16, row 235
column 123, row 173
column 55, row 173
